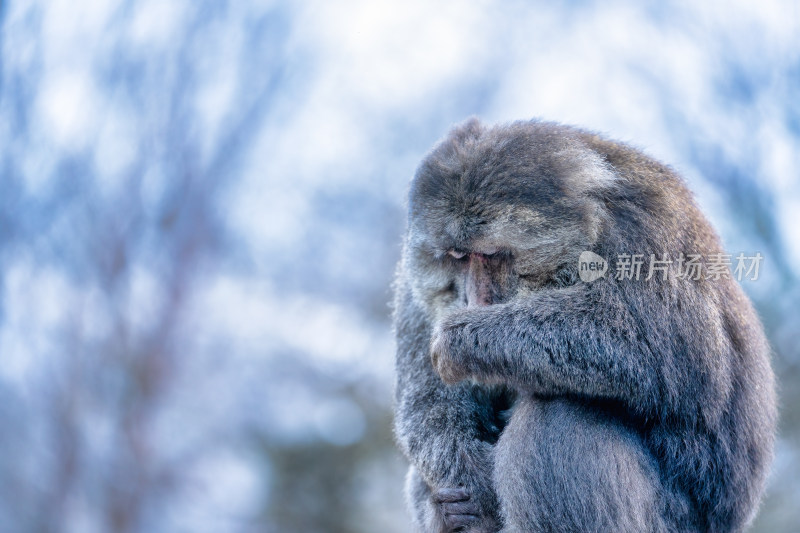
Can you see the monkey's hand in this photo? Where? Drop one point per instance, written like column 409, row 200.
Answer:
column 455, row 345
column 457, row 509
column 471, row 343
column 445, row 360
column 469, row 505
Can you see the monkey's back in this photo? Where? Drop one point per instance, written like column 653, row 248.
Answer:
column 721, row 453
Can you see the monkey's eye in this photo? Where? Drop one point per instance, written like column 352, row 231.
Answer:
column 456, row 254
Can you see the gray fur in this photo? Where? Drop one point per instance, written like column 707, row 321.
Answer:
column 626, row 405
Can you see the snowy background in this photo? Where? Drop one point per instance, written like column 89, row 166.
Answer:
column 201, row 205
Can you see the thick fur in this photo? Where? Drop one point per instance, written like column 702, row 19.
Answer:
column 638, row 405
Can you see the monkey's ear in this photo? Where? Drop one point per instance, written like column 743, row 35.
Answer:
column 468, row 130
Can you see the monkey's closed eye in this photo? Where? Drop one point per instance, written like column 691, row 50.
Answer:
column 456, row 254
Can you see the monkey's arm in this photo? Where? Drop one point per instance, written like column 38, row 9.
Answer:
column 445, row 431
column 647, row 347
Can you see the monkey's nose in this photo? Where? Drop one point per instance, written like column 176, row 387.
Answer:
column 479, row 281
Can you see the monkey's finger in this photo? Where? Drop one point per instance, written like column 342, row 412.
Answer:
column 456, row 521
column 459, row 508
column 451, row 494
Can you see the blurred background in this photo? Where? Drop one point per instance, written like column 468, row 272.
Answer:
column 202, row 202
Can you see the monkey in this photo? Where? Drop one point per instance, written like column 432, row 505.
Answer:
column 530, row 400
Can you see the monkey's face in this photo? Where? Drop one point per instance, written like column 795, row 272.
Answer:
column 474, row 261
column 495, row 216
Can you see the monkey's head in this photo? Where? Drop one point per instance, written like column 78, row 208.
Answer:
column 497, row 212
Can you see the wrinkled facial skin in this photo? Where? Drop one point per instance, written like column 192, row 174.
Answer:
column 488, row 278
column 483, row 278
column 506, row 262
column 480, row 275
